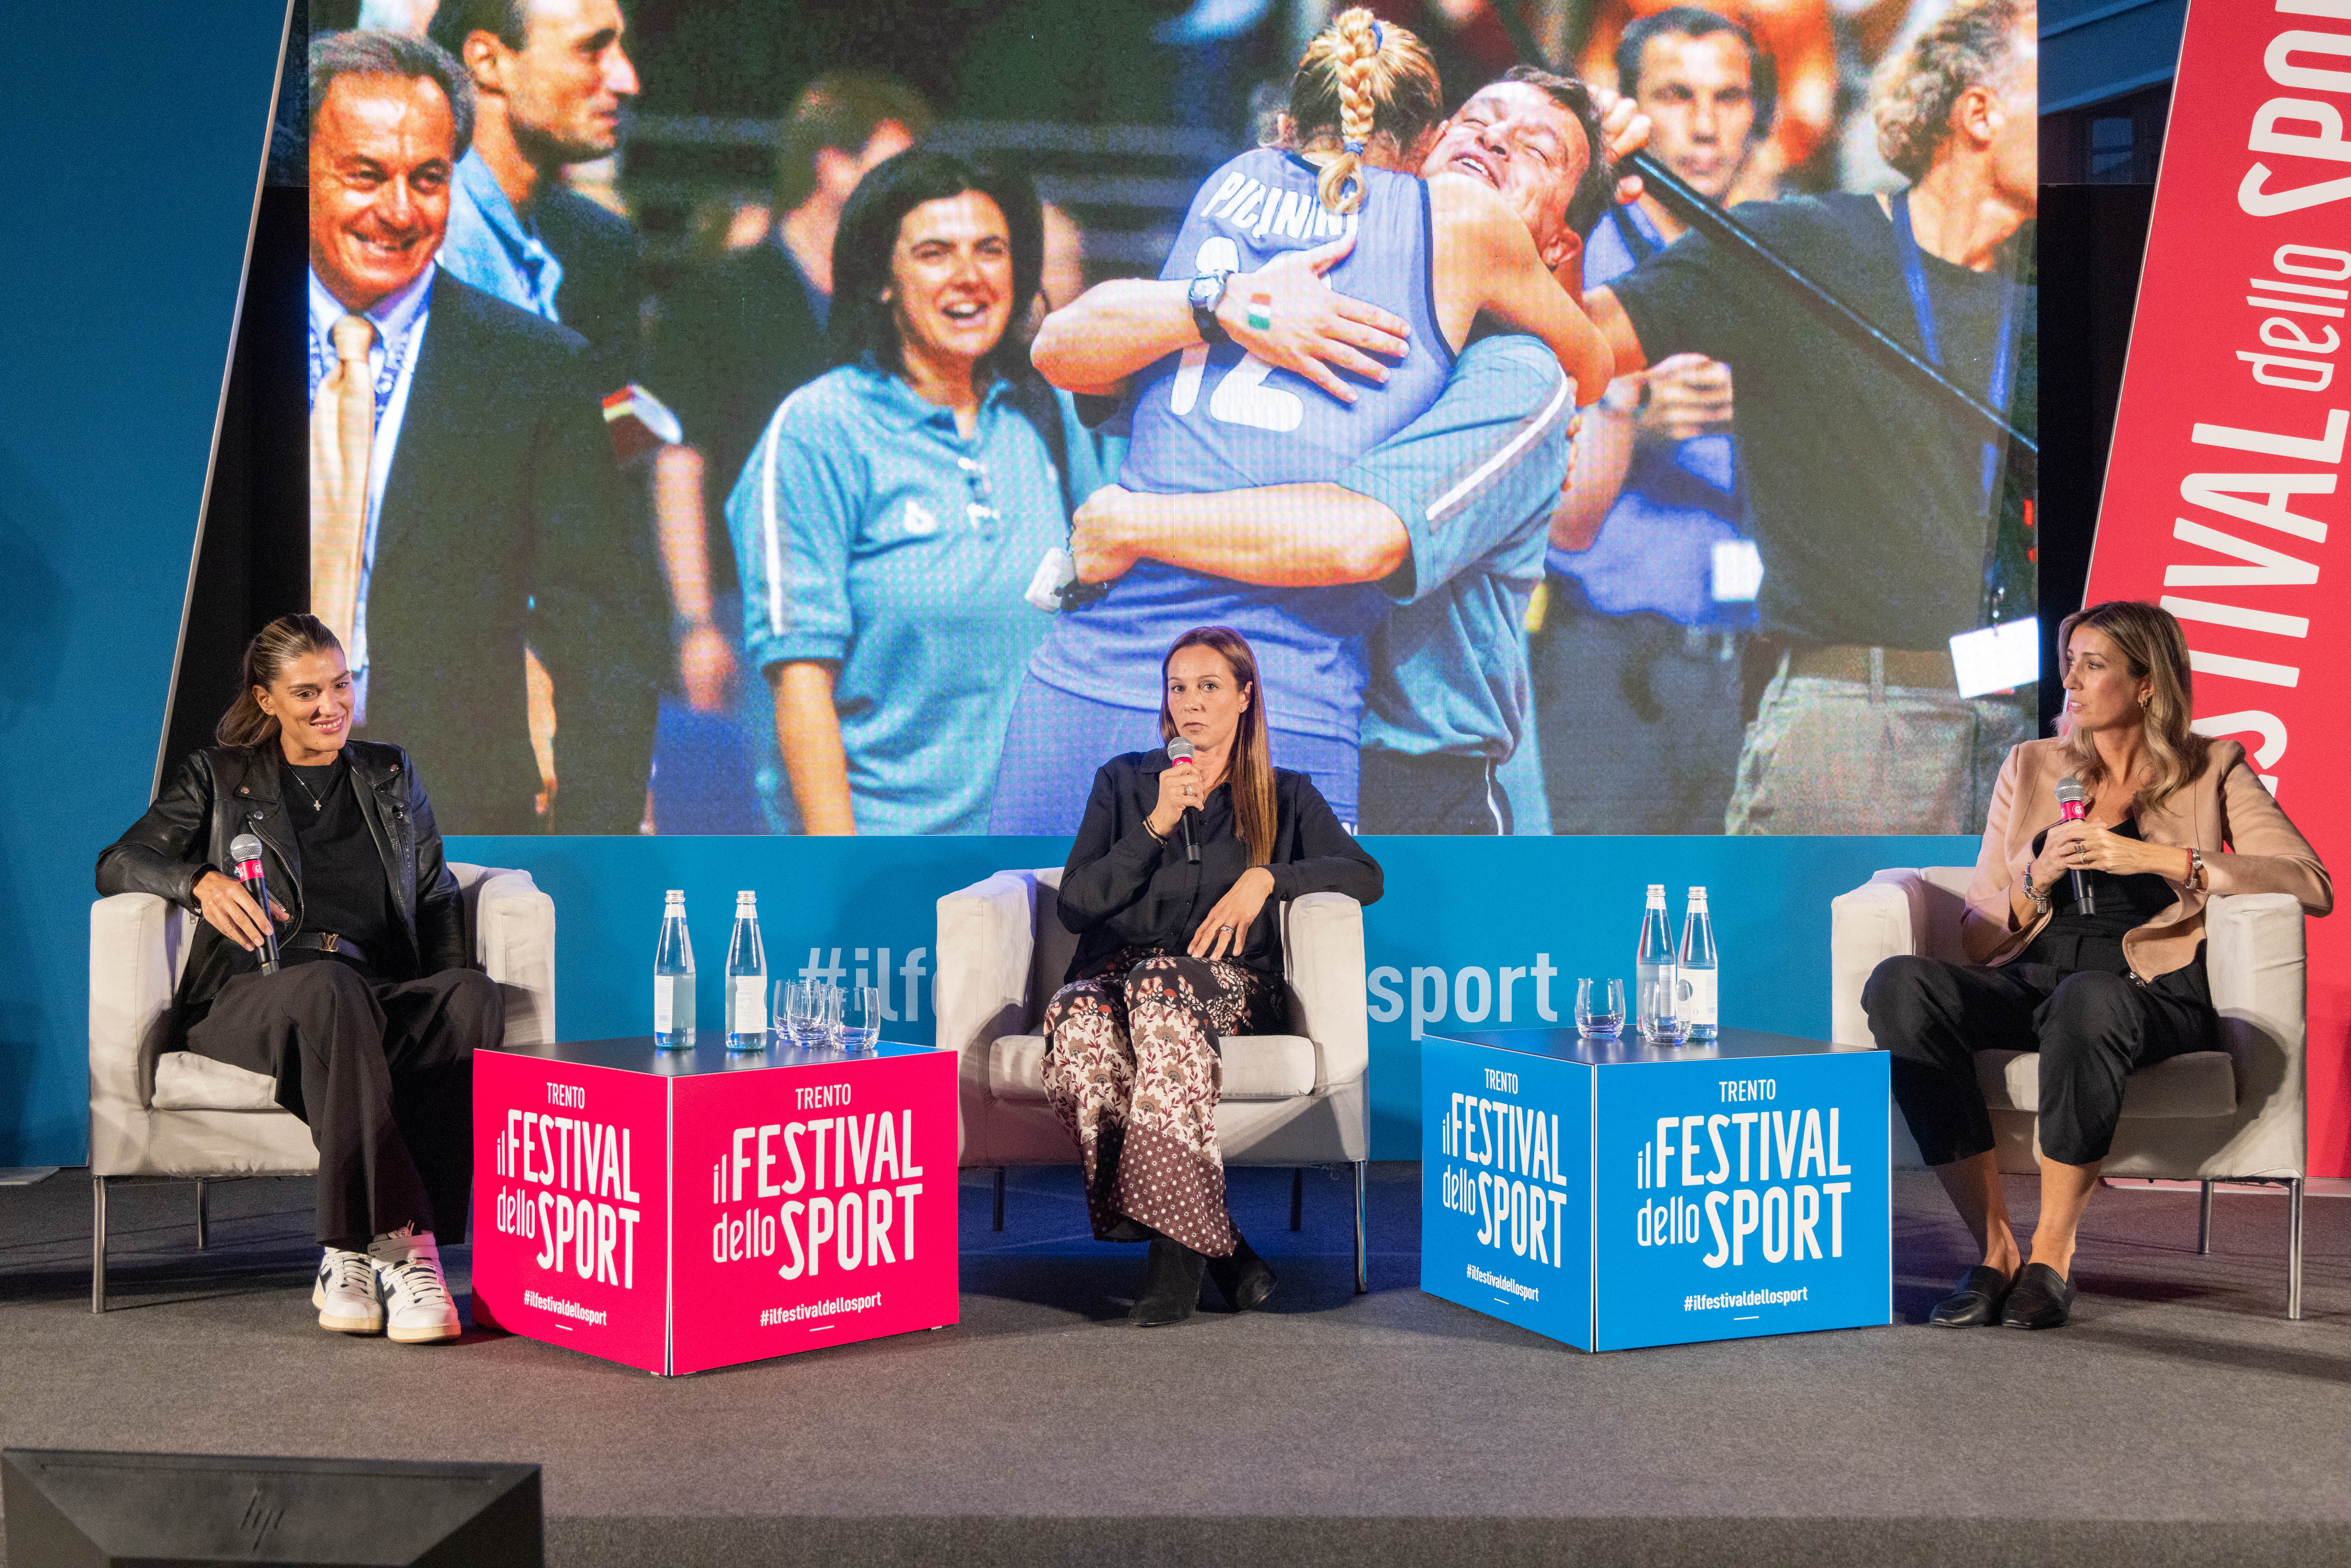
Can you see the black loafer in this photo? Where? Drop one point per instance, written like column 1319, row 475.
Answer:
column 2040, row 1298
column 1974, row 1302
column 1171, row 1284
column 1246, row 1279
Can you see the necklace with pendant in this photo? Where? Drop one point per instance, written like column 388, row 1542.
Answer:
column 317, row 804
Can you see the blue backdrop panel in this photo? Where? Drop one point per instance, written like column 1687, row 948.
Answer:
column 1475, row 932
column 135, row 137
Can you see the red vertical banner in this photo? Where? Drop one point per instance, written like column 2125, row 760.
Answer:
column 2222, row 498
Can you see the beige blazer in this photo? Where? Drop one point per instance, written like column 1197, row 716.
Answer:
column 2248, row 847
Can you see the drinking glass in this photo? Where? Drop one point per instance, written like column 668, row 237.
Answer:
column 808, row 1009
column 1600, row 1007
column 1663, row 1019
column 860, row 1020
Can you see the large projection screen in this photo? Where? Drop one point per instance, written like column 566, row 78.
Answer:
column 638, row 516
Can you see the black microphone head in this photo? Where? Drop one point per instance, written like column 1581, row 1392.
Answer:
column 244, row 847
column 1179, row 750
column 2070, row 791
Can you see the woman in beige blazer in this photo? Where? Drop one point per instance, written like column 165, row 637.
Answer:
column 2098, row 988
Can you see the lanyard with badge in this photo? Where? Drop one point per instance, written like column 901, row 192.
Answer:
column 2001, row 655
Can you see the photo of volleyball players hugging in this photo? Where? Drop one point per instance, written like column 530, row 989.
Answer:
column 1544, row 511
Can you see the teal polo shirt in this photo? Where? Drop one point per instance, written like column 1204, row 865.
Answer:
column 1474, row 480
column 873, row 536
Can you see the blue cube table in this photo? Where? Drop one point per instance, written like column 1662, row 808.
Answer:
column 1614, row 1194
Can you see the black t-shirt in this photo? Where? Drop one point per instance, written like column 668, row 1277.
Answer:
column 2075, row 940
column 1867, row 489
column 343, row 885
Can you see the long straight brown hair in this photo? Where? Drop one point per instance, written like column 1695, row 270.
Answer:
column 274, row 646
column 1249, row 773
column 2150, row 638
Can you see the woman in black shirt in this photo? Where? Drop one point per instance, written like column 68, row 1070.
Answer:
column 370, row 1022
column 1171, row 887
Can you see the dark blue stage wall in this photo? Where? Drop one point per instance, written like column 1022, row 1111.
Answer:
column 1458, row 912
column 134, row 136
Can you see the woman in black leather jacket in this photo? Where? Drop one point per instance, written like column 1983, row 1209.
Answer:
column 371, row 1014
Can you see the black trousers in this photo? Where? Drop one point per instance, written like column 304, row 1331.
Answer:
column 382, row 1071
column 2090, row 1027
column 1438, row 793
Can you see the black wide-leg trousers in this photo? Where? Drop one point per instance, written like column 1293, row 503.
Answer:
column 381, row 1070
column 2091, row 1028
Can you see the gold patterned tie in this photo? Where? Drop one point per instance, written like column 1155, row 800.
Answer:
column 342, row 432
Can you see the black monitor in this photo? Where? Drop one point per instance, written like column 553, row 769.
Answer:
column 70, row 1509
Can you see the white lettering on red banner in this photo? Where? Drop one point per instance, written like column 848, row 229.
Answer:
column 2223, row 492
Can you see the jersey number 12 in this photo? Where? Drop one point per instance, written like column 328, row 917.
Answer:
column 1241, row 396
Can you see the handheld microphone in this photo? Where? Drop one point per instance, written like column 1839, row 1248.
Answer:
column 246, row 850
column 1179, row 753
column 2073, row 802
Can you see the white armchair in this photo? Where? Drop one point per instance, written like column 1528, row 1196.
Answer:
column 175, row 1114
column 2233, row 1114
column 1297, row 1100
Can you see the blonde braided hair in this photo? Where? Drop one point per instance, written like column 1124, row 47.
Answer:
column 1359, row 78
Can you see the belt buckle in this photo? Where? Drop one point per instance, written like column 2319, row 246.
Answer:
column 329, row 942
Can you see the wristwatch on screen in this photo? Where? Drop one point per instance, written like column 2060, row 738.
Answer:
column 1208, row 292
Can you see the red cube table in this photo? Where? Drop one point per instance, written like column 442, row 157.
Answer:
column 678, row 1210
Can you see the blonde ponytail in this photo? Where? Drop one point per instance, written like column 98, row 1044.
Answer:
column 1342, row 184
column 1361, row 78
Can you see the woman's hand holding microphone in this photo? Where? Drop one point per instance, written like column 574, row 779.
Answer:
column 2088, row 846
column 229, row 909
column 1179, row 792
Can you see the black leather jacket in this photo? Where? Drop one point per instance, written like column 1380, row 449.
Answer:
column 231, row 789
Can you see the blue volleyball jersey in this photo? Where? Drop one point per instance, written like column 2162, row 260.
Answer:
column 1216, row 419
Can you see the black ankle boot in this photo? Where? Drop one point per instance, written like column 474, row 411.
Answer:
column 1246, row 1279
column 1171, row 1284
column 1126, row 1227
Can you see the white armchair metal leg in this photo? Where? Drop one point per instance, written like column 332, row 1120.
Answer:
column 1363, row 1260
column 2204, row 1221
column 98, row 1244
column 203, row 1216
column 2293, row 1249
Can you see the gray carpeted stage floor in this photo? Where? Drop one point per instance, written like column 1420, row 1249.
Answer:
column 2180, row 1419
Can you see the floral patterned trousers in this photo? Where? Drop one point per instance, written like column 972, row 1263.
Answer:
column 1132, row 1070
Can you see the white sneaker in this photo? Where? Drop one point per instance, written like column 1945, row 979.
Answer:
column 417, row 1303
column 345, row 1294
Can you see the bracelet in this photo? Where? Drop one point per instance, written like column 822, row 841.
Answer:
column 2195, row 866
column 2040, row 900
column 1156, row 836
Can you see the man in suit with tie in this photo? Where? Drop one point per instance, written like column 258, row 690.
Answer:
column 463, row 501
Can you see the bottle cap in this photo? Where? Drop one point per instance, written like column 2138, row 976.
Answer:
column 675, row 895
column 1699, row 893
column 746, row 896
column 1657, row 890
